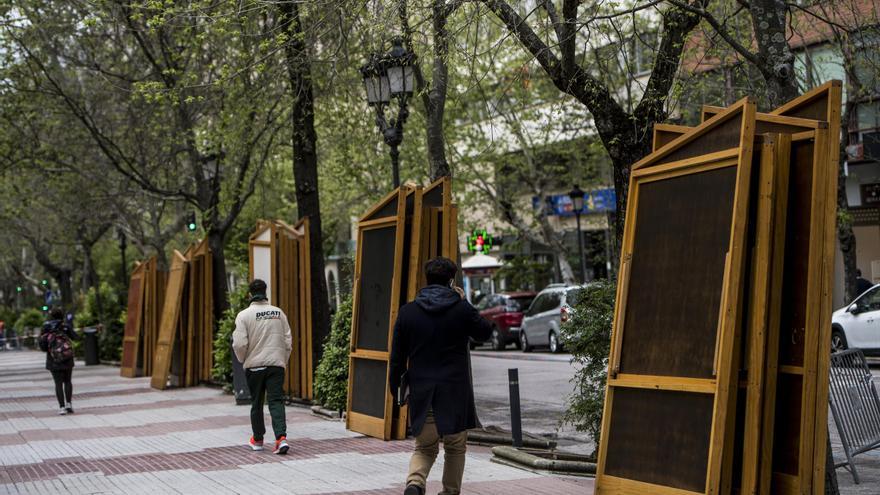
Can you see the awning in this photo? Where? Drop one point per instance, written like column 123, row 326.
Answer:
column 480, row 261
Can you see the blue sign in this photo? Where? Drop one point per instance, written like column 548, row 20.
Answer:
column 595, row 201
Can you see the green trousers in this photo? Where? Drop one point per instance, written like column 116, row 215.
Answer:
column 267, row 382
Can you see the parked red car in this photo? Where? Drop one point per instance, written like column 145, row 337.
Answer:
column 505, row 311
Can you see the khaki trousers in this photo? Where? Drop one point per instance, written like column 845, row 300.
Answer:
column 427, row 448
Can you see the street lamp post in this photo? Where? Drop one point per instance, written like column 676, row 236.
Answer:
column 120, row 233
column 385, row 77
column 577, row 201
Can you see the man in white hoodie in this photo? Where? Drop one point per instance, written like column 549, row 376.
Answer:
column 262, row 343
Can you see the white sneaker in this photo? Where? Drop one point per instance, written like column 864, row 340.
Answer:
column 62, row 411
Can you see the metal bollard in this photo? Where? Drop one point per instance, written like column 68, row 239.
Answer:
column 515, row 419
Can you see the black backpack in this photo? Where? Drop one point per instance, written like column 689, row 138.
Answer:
column 58, row 344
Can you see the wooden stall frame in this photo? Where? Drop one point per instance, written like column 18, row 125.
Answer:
column 824, row 118
column 133, row 321
column 368, row 425
column 816, row 360
column 832, row 92
column 170, row 318
column 732, row 281
column 272, row 244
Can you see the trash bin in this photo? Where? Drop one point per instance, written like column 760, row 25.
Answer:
column 91, row 346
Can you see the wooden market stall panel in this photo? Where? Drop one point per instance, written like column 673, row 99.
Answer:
column 280, row 255
column 776, row 442
column 133, row 318
column 377, row 292
column 145, row 300
column 671, row 367
column 169, row 323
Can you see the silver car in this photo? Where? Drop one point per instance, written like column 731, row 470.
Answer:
column 541, row 322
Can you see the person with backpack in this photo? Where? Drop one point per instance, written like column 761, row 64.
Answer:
column 56, row 340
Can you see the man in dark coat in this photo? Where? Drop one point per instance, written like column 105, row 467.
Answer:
column 862, row 285
column 430, row 345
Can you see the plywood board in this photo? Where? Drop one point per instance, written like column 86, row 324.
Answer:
column 684, row 198
column 378, row 283
column 133, row 318
column 170, row 320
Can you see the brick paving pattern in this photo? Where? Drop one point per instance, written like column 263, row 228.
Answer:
column 127, row 438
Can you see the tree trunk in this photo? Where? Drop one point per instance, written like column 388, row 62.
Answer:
column 845, row 235
column 437, row 96
column 220, row 290
column 831, row 487
column 769, row 21
column 305, row 166
column 63, row 276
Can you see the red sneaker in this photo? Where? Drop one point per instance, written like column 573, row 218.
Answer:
column 281, row 446
column 255, row 444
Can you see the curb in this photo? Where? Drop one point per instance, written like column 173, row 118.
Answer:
column 480, row 437
column 525, row 460
column 326, row 413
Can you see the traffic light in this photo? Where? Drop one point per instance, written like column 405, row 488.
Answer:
column 191, row 222
column 18, row 288
column 45, row 308
column 45, row 282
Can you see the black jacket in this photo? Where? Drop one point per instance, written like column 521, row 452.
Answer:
column 431, row 336
column 56, row 326
column 862, row 285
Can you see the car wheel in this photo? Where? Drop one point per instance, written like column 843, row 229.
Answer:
column 524, row 342
column 498, row 343
column 838, row 340
column 518, row 344
column 555, row 346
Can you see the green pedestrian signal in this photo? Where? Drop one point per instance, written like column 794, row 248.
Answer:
column 191, row 222
column 45, row 282
column 45, row 308
column 18, row 289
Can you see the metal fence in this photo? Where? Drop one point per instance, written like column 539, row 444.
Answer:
column 855, row 405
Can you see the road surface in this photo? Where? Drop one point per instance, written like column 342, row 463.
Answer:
column 545, row 384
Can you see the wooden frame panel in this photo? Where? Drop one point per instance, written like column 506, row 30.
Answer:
column 766, row 241
column 823, row 103
column 729, row 309
column 133, row 319
column 362, row 423
column 170, row 320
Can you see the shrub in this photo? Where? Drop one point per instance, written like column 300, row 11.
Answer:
column 331, row 376
column 222, row 371
column 101, row 306
column 29, row 319
column 587, row 335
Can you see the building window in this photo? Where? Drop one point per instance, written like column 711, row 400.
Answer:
column 866, row 133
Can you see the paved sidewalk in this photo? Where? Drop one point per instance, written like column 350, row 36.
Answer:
column 127, row 438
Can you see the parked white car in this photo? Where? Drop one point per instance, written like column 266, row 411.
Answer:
column 858, row 324
column 541, row 322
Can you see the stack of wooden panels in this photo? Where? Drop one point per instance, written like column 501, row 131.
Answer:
column 396, row 237
column 279, row 254
column 183, row 353
column 719, row 357
column 146, row 294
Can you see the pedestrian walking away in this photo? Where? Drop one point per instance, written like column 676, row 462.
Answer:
column 56, row 340
column 262, row 342
column 429, row 369
column 862, row 284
